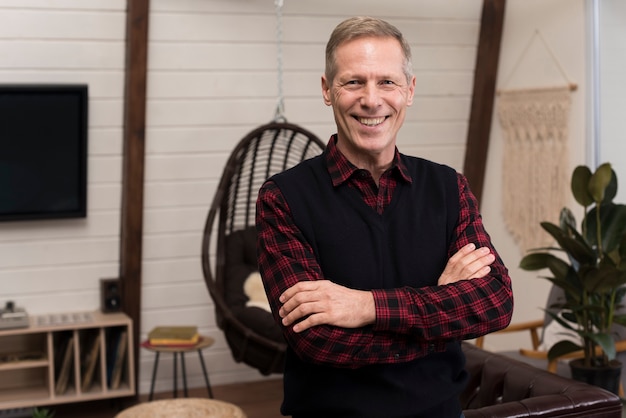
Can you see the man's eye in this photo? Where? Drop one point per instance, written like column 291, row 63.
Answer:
column 352, row 84
column 388, row 82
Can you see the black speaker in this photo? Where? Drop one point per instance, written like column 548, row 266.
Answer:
column 110, row 295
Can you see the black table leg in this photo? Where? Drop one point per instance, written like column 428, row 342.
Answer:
column 154, row 372
column 175, row 375
column 206, row 375
column 182, row 362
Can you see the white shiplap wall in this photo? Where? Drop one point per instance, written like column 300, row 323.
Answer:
column 212, row 78
column 51, row 266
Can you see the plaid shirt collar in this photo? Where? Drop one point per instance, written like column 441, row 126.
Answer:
column 340, row 169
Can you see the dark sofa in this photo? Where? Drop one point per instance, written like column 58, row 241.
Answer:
column 500, row 386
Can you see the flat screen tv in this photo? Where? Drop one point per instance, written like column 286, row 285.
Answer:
column 43, row 151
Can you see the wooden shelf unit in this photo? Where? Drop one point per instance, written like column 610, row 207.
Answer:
column 32, row 358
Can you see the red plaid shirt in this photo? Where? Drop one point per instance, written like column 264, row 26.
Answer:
column 410, row 322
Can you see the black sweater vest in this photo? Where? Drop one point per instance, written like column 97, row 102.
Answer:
column 405, row 246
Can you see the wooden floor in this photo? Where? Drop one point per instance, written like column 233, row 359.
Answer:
column 257, row 399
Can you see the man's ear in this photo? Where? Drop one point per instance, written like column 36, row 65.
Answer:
column 326, row 90
column 409, row 101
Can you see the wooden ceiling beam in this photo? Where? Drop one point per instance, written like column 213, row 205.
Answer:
column 485, row 75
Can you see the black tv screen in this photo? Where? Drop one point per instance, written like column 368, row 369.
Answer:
column 43, row 151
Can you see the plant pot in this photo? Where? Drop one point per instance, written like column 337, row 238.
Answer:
column 605, row 377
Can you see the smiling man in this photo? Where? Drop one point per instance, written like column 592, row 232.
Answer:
column 376, row 264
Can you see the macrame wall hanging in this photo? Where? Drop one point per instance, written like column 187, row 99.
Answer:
column 536, row 156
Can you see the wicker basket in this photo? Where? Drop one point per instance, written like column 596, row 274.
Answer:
column 183, row 408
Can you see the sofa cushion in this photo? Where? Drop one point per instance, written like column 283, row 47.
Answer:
column 240, row 253
column 241, row 263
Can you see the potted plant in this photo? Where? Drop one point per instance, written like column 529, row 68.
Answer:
column 591, row 271
column 42, row 413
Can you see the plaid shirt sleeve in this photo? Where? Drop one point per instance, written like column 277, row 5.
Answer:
column 458, row 311
column 410, row 322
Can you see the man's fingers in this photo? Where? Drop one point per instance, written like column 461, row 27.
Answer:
column 480, row 267
column 307, row 285
column 482, row 272
column 468, row 263
column 308, row 304
column 303, row 312
column 301, row 292
column 301, row 300
column 308, row 322
column 291, row 316
column 464, row 251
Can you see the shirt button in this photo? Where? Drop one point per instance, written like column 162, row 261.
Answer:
column 396, row 356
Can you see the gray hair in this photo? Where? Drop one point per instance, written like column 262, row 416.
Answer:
column 363, row 26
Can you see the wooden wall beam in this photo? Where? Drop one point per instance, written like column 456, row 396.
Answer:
column 486, row 71
column 131, row 233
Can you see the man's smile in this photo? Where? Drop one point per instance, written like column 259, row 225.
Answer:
column 371, row 121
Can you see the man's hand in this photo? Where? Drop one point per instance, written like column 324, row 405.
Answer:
column 324, row 302
column 468, row 263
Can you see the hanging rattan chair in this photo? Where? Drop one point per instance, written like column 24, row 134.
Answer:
column 230, row 239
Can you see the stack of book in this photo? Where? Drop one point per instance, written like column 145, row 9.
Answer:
column 174, row 336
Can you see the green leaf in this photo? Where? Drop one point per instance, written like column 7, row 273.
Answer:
column 599, row 182
column 580, row 184
column 566, row 321
column 562, row 348
column 571, row 287
column 42, row 413
column 538, row 261
column 569, row 316
column 613, row 225
column 605, row 341
column 567, row 221
column 622, row 252
column 611, row 190
column 619, row 296
column 574, row 245
column 535, row 261
column 602, row 279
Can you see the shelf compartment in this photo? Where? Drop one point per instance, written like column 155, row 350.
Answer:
column 24, row 380
column 25, row 343
column 52, row 361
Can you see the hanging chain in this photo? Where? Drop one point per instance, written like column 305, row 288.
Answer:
column 280, row 107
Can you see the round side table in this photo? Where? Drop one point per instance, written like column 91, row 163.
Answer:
column 183, row 408
column 202, row 343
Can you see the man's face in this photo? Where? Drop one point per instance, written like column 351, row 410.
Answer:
column 369, row 96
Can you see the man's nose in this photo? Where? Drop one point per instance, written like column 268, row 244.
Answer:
column 371, row 95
